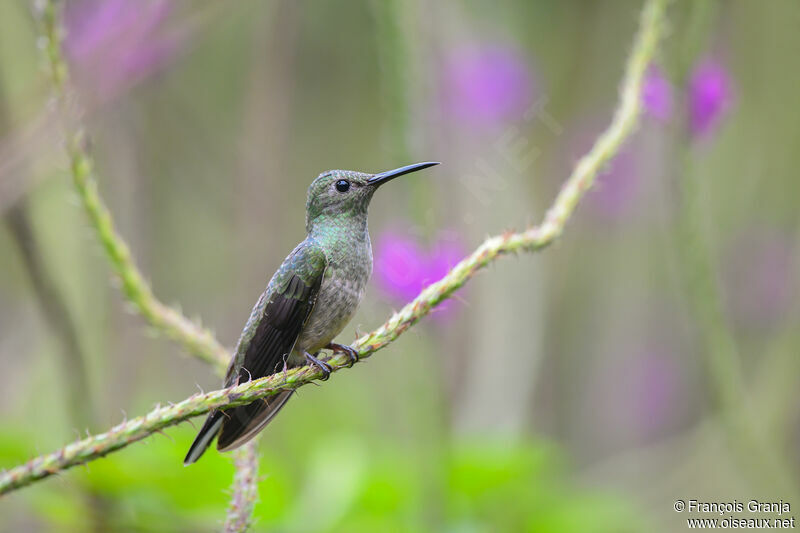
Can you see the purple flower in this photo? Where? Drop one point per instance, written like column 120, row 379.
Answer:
column 617, row 187
column 444, row 257
column 759, row 278
column 403, row 268
column 639, row 396
column 614, row 194
column 656, row 387
column 709, row 96
column 400, row 265
column 114, row 44
column 485, row 85
column 657, row 94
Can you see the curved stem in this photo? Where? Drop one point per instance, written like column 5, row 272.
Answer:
column 535, row 238
column 197, row 340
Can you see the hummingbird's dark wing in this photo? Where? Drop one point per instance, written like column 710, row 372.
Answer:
column 263, row 349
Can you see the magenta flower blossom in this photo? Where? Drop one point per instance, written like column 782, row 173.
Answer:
column 403, row 268
column 445, row 256
column 614, row 193
column 709, row 96
column 640, row 396
column 114, row 44
column 617, row 187
column 486, row 85
column 656, row 388
column 657, row 94
column 400, row 265
column 759, row 279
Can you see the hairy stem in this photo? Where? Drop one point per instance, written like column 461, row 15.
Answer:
column 172, row 323
column 194, row 338
column 535, row 238
column 244, row 489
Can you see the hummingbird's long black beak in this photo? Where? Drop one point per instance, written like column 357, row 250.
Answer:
column 383, row 177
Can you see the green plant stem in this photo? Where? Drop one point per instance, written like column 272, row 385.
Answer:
column 244, row 489
column 197, row 340
column 535, row 238
column 760, row 458
column 762, row 461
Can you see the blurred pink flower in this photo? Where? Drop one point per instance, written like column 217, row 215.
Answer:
column 641, row 395
column 709, row 96
column 487, row 84
column 657, row 94
column 617, row 186
column 445, row 256
column 403, row 268
column 614, row 194
column 400, row 264
column 114, row 44
column 656, row 387
column 759, row 278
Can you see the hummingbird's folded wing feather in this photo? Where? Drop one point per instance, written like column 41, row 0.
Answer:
column 279, row 316
column 289, row 302
column 267, row 340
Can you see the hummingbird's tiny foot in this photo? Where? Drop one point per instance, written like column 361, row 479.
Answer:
column 351, row 352
column 324, row 367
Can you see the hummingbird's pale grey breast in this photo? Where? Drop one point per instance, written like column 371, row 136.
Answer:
column 343, row 286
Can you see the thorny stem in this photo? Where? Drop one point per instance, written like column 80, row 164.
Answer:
column 535, row 238
column 167, row 320
column 58, row 316
column 244, row 489
column 197, row 340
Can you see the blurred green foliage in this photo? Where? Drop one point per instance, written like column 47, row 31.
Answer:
column 341, row 485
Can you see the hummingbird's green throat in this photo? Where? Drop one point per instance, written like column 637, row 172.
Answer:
column 345, row 192
column 309, row 300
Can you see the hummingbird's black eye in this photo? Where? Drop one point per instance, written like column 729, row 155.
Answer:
column 342, row 185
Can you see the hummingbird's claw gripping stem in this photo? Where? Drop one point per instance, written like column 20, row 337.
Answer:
column 324, row 367
column 351, row 352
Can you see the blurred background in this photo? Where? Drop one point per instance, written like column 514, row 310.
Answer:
column 584, row 388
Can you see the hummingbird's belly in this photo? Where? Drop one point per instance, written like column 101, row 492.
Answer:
column 337, row 302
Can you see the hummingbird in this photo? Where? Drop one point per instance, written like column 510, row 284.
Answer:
column 308, row 301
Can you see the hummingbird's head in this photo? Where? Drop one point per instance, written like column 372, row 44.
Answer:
column 345, row 192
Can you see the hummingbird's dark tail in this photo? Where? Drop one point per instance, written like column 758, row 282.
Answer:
column 243, row 423
column 236, row 426
column 203, row 439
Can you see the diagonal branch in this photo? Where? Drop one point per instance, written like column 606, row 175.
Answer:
column 135, row 429
column 535, row 238
column 197, row 340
